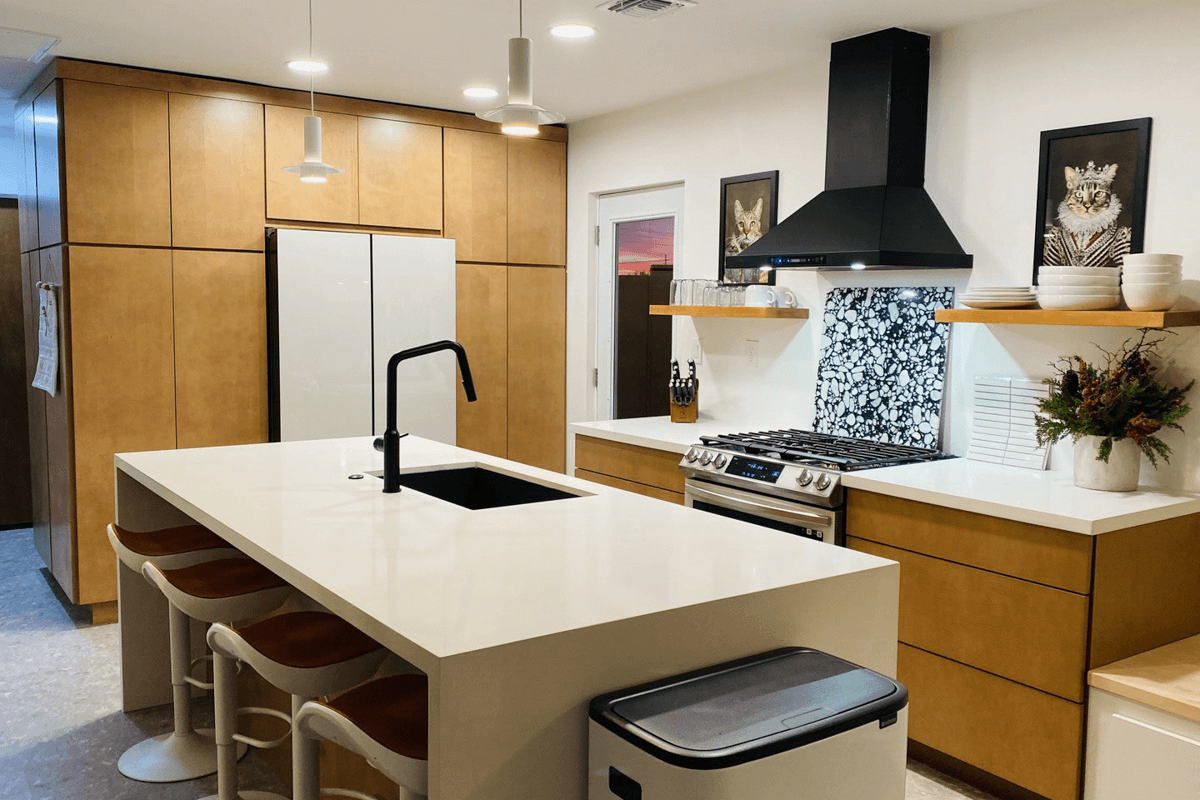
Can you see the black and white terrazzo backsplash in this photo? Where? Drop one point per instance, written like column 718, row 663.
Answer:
column 883, row 364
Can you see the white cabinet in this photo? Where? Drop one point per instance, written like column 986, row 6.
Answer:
column 1135, row 752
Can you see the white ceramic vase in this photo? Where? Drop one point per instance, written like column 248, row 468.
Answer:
column 1120, row 474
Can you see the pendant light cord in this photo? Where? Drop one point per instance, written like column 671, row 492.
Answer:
column 312, row 100
column 520, row 18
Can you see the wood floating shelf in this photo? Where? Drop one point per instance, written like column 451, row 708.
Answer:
column 746, row 312
column 1038, row 316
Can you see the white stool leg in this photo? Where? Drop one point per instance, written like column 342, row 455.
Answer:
column 225, row 702
column 306, row 759
column 182, row 754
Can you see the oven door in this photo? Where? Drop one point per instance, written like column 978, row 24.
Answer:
column 820, row 524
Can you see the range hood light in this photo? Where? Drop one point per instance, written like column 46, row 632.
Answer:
column 858, row 265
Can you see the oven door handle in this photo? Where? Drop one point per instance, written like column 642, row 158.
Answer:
column 736, row 503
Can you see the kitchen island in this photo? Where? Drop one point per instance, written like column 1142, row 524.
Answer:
column 519, row 615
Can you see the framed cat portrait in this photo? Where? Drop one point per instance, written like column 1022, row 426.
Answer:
column 748, row 210
column 1092, row 194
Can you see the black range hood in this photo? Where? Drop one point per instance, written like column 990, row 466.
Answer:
column 874, row 212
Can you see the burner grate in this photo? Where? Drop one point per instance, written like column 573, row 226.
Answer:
column 842, row 453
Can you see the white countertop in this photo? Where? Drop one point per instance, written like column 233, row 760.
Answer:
column 450, row 580
column 1037, row 497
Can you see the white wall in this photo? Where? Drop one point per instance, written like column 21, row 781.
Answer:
column 995, row 86
column 11, row 165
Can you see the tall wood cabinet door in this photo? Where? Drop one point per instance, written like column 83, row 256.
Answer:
column 218, row 200
column 476, row 214
column 537, row 389
column 116, row 163
column 27, row 197
column 123, row 389
column 60, row 449
column 220, row 348
column 47, row 162
column 31, row 273
column 287, row 196
column 537, row 202
column 481, row 314
column 400, row 174
column 14, row 414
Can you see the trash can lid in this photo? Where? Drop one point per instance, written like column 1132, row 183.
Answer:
column 748, row 709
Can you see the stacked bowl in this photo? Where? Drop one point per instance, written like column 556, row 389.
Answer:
column 1151, row 281
column 1079, row 288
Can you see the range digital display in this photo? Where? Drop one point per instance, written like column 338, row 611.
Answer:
column 757, row 470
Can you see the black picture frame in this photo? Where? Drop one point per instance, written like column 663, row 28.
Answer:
column 1103, row 144
column 748, row 189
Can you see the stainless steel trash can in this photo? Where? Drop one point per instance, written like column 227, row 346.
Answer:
column 791, row 724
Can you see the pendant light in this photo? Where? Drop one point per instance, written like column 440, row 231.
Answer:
column 312, row 169
column 520, row 117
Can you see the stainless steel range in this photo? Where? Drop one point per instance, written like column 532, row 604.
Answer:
column 789, row 480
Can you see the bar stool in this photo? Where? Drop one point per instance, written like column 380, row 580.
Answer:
column 221, row 589
column 304, row 653
column 386, row 721
column 184, row 753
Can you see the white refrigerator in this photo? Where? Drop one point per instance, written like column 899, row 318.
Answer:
column 338, row 306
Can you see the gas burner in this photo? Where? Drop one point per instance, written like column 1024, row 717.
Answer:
column 822, row 450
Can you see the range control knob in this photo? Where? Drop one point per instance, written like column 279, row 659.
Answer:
column 823, row 482
column 692, row 454
column 704, row 459
column 719, row 461
column 804, row 478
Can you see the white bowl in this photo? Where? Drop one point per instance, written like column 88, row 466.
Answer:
column 1093, row 271
column 1150, row 298
column 1135, row 259
column 1082, row 291
column 1078, row 280
column 1173, row 271
column 1060, row 302
column 1150, row 280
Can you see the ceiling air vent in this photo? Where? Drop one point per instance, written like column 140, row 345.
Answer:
column 25, row 45
column 645, row 9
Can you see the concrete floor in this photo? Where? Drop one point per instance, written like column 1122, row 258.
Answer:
column 61, row 725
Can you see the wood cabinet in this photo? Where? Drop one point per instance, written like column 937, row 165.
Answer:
column 123, row 386
column 116, row 160
column 400, row 174
column 60, row 448
column 27, row 191
column 537, row 195
column 537, row 387
column 217, row 180
column 1000, row 621
column 47, row 165
column 220, row 348
column 14, row 425
column 31, row 273
column 476, row 188
column 290, row 199
column 654, row 473
column 481, row 314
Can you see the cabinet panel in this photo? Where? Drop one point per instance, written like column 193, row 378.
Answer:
column 60, row 449
column 217, row 184
column 1036, row 635
column 220, row 348
column 630, row 486
column 476, row 171
column 537, row 392
column 116, row 158
column 287, row 196
column 31, row 273
column 537, row 201
column 48, row 154
column 27, row 196
column 123, row 386
column 400, row 174
column 14, row 415
column 481, row 314
column 1031, row 552
column 642, row 465
column 1028, row 737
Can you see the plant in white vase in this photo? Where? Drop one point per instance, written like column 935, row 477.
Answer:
column 1112, row 410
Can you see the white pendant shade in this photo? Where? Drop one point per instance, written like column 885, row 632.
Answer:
column 313, row 169
column 520, row 117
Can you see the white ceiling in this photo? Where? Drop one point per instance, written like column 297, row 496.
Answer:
column 425, row 53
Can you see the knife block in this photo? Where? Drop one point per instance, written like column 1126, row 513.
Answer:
column 689, row 412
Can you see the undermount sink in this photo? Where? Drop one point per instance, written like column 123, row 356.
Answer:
column 478, row 488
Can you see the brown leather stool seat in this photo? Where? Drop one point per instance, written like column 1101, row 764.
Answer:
column 223, row 577
column 169, row 541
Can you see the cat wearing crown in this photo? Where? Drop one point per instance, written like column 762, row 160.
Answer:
column 1087, row 234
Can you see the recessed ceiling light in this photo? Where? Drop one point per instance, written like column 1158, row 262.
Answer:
column 306, row 66
column 484, row 92
column 573, row 30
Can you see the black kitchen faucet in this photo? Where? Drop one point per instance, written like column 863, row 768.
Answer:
column 391, row 436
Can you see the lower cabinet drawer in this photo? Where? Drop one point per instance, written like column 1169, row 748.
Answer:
column 630, row 486
column 1029, row 633
column 644, row 465
column 1024, row 736
column 1135, row 752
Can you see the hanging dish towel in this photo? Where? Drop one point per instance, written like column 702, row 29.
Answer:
column 883, row 364
column 46, row 376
